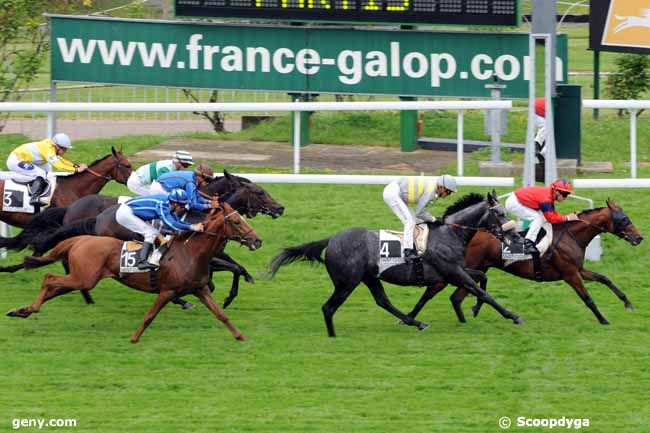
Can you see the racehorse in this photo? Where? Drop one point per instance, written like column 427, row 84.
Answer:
column 44, row 231
column 114, row 166
column 352, row 257
column 183, row 269
column 563, row 261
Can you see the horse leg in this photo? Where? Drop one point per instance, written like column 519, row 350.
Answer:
column 593, row 276
column 185, row 305
column 341, row 292
column 464, row 280
column 575, row 281
column 205, row 297
column 456, row 299
column 226, row 263
column 428, row 294
column 162, row 300
column 378, row 292
column 85, row 293
column 481, row 278
column 53, row 286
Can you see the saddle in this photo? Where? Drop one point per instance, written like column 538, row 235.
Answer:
column 391, row 247
column 514, row 252
column 420, row 237
column 18, row 191
column 131, row 249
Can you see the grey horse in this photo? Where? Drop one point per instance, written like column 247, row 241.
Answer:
column 352, row 257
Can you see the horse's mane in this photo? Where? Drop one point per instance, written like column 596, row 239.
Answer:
column 89, row 165
column 464, row 202
column 589, row 211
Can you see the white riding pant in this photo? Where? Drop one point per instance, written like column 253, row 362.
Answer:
column 535, row 217
column 136, row 186
column 27, row 168
column 157, row 188
column 540, row 137
column 125, row 217
column 403, row 212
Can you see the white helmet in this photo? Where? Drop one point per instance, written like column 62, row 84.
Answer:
column 62, row 140
column 447, row 181
column 183, row 157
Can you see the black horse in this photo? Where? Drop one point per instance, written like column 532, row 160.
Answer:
column 83, row 218
column 352, row 257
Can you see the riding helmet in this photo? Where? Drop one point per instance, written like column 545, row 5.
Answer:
column 562, row 185
column 447, row 181
column 184, row 157
column 62, row 140
column 178, row 195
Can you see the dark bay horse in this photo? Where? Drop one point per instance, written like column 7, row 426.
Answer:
column 352, row 257
column 564, row 260
column 183, row 270
column 114, row 166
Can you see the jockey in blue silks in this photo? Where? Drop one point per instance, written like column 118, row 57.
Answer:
column 134, row 214
column 190, row 182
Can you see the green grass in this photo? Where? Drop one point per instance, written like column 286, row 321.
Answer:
column 188, row 374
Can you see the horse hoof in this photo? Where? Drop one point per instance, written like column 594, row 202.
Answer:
column 518, row 321
column 422, row 326
column 12, row 313
column 249, row 279
column 241, row 337
column 475, row 311
column 604, row 322
column 629, row 307
column 187, row 306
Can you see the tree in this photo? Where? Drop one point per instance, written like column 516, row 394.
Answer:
column 631, row 78
column 24, row 41
column 215, row 118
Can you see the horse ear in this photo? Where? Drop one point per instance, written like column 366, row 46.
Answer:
column 113, row 151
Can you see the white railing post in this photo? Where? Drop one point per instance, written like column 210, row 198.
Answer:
column 296, row 142
column 459, row 144
column 633, row 144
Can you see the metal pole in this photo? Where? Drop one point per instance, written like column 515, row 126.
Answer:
column 596, row 80
column 51, row 116
column 529, row 154
column 633, row 144
column 459, row 144
column 550, row 169
column 296, row 141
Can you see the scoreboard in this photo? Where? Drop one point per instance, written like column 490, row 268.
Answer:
column 409, row 12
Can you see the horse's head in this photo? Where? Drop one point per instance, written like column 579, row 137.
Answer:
column 250, row 198
column 113, row 167
column 621, row 225
column 235, row 226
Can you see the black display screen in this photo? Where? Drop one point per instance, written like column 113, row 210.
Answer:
column 460, row 12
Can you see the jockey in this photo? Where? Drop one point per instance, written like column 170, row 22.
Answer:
column 189, row 181
column 36, row 159
column 140, row 180
column 420, row 190
column 537, row 204
column 134, row 213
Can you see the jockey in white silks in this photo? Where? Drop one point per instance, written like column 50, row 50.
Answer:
column 411, row 190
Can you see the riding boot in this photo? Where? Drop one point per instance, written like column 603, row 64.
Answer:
column 410, row 254
column 530, row 247
column 39, row 185
column 143, row 256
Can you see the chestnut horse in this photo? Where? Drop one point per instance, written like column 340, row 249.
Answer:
column 114, row 166
column 183, row 269
column 563, row 261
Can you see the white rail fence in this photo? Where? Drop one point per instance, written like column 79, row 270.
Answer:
column 295, row 107
column 633, row 106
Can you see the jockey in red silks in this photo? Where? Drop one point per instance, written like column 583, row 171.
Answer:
column 537, row 204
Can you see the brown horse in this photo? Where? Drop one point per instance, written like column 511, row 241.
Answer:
column 183, row 269
column 563, row 261
column 114, row 166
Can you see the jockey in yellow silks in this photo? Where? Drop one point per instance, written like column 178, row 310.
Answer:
column 36, row 159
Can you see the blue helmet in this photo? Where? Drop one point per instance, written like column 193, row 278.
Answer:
column 179, row 196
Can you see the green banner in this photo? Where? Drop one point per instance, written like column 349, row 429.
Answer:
column 292, row 59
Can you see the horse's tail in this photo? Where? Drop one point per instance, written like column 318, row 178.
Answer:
column 78, row 228
column 59, row 252
column 310, row 252
column 48, row 220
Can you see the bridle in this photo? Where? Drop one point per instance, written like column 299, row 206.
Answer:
column 620, row 221
column 500, row 234
column 117, row 167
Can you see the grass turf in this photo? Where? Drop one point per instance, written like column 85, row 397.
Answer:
column 188, row 374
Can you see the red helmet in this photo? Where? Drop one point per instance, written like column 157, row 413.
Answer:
column 562, row 185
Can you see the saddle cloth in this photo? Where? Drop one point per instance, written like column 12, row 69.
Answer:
column 391, row 250
column 17, row 193
column 514, row 253
column 131, row 250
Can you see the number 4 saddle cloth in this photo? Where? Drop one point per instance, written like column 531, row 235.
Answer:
column 391, row 250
